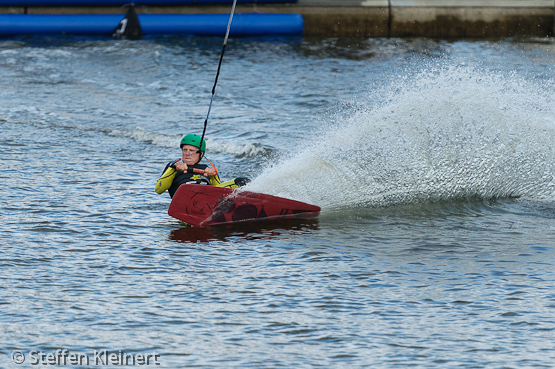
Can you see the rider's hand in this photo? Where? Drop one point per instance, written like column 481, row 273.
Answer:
column 210, row 172
column 181, row 167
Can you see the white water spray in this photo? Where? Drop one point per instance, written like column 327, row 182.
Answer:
column 448, row 133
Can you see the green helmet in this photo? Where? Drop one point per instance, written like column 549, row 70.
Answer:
column 193, row 140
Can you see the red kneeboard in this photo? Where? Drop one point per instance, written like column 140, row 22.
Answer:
column 203, row 205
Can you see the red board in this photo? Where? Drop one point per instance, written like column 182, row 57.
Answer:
column 202, row 205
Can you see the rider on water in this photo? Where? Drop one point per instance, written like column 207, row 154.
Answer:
column 187, row 169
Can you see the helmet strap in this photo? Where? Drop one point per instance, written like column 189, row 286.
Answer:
column 201, row 155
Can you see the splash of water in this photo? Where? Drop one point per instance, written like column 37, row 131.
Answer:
column 446, row 133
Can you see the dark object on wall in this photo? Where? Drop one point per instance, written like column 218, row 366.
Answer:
column 129, row 28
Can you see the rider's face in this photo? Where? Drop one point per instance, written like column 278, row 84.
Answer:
column 190, row 154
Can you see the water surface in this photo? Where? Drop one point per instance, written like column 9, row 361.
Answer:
column 433, row 163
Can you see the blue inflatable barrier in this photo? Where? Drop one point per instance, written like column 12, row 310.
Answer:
column 36, row 24
column 251, row 24
column 124, row 2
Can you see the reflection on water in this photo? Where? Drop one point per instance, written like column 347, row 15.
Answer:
column 364, row 49
column 247, row 231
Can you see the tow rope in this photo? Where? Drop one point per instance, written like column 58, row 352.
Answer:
column 218, row 72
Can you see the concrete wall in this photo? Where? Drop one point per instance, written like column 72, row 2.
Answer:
column 378, row 18
column 471, row 22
